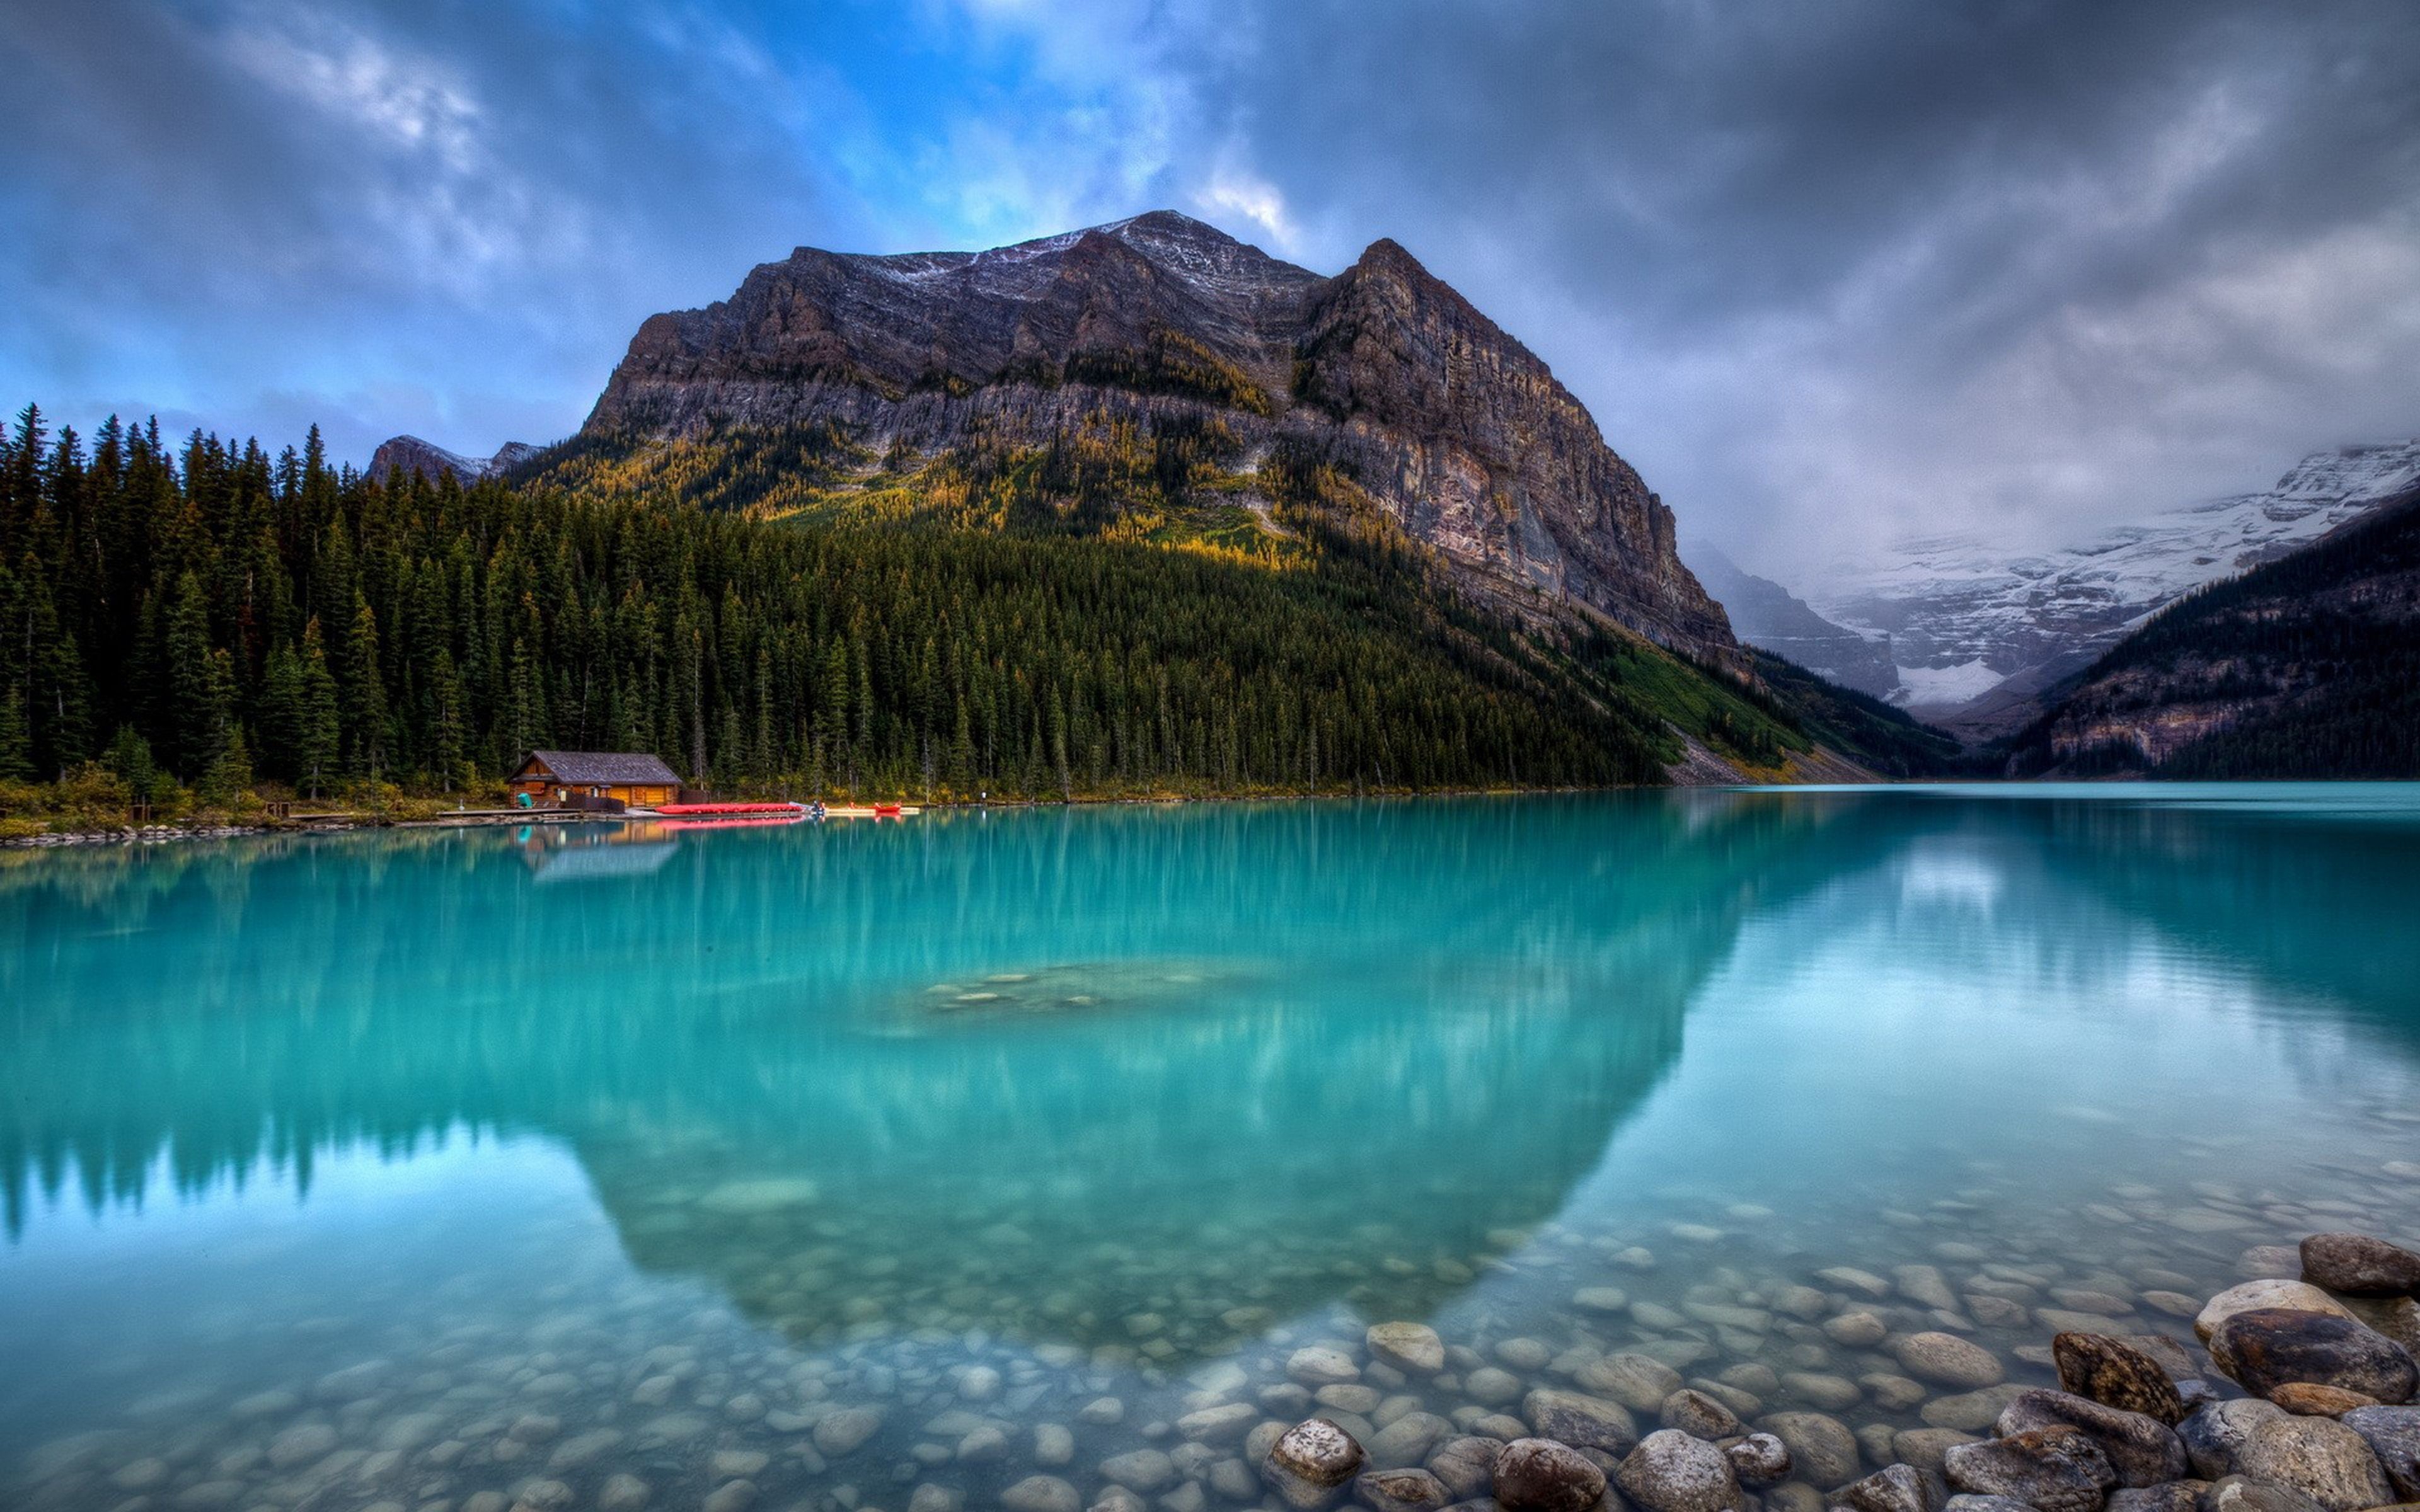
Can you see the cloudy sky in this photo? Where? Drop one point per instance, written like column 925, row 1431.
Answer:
column 1829, row 273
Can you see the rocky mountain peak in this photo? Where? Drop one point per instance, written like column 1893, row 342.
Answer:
column 1162, row 323
column 432, row 461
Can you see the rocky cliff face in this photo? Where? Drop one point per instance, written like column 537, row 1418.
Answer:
column 432, row 461
column 1443, row 421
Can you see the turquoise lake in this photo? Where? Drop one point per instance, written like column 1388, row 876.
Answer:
column 864, row 1165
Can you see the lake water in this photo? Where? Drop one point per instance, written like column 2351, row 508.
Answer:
column 859, row 1165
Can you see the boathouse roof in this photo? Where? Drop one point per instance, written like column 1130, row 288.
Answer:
column 609, row 767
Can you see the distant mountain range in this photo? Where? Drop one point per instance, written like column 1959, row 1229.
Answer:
column 1974, row 637
column 2307, row 666
column 1771, row 618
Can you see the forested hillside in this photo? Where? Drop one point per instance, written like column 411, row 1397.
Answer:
column 236, row 617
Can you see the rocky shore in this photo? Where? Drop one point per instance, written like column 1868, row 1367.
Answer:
column 1847, row 1391
column 2298, row 1406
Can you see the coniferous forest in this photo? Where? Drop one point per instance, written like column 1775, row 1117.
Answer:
column 209, row 618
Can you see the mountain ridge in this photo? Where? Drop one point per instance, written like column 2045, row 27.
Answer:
column 1769, row 617
column 2305, row 666
column 432, row 461
column 1979, row 635
column 1160, row 326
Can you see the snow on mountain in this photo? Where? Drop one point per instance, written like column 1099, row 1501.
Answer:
column 1977, row 634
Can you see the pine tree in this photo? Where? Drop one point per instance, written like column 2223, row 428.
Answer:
column 448, row 738
column 229, row 777
column 364, row 692
column 200, row 688
column 16, row 735
column 317, row 728
column 129, row 756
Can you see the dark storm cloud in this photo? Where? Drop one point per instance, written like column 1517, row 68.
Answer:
column 1827, row 273
column 1854, row 269
column 426, row 215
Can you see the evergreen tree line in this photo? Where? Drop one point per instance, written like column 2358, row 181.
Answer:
column 224, row 615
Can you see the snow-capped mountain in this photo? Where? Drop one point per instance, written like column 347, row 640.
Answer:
column 1977, row 635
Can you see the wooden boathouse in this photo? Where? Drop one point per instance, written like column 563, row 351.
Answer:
column 634, row 777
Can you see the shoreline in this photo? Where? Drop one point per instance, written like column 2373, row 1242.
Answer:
column 158, row 834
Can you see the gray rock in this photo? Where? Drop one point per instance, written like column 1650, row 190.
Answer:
column 1219, row 1425
column 2318, row 1456
column 1948, row 1359
column 1858, row 1330
column 1467, row 1465
column 624, row 1492
column 2173, row 1496
column 1318, row 1366
column 1310, row 1464
column 2115, row 1374
column 1891, row 1488
column 2302, row 1296
column 1054, row 1443
column 1984, row 1503
column 1971, row 1411
column 2360, row 1266
column 2392, row 1434
column 1822, row 1447
column 1492, row 1387
column 1924, row 1447
column 731, row 1496
column 1538, row 1475
column 930, row 1497
column 543, row 1496
column 1400, row 1490
column 1637, row 1381
column 2141, row 1449
column 1117, row 1499
column 2055, row 1469
column 1139, row 1470
column 2238, row 1493
column 1041, row 1493
column 1580, row 1421
column 1697, row 1414
column 2213, row 1433
column 2263, row 1348
column 1671, row 1472
column 1407, row 1439
column 1759, row 1459
column 846, row 1431
column 1411, row 1347
column 301, row 1444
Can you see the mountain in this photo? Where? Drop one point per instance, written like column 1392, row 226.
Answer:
column 1156, row 377
column 2305, row 666
column 1769, row 617
column 432, row 461
column 1980, row 636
